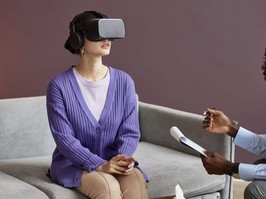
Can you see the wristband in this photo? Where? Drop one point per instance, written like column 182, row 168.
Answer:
column 235, row 173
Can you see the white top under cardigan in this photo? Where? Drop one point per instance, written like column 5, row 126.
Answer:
column 94, row 93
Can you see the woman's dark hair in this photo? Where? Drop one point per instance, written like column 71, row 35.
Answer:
column 77, row 37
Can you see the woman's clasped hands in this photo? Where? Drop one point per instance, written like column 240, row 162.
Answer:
column 119, row 164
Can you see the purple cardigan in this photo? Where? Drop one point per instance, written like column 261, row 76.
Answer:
column 82, row 143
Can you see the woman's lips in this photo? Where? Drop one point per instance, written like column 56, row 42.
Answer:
column 105, row 46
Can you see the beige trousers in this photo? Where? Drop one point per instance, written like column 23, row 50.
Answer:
column 100, row 185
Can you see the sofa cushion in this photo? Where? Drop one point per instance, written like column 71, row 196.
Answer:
column 33, row 171
column 178, row 168
column 24, row 122
column 14, row 188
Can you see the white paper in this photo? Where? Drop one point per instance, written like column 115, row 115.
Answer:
column 178, row 192
column 178, row 135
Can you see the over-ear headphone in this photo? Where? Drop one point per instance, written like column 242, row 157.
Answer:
column 76, row 38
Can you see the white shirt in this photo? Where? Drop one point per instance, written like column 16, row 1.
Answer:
column 94, row 93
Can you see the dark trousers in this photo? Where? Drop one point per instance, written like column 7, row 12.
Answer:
column 256, row 189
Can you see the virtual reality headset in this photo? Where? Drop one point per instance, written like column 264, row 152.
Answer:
column 100, row 29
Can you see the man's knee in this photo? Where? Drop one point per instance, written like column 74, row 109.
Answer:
column 249, row 191
column 255, row 190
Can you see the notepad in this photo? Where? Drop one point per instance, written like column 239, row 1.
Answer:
column 179, row 136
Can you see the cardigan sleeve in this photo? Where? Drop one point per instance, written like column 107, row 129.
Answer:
column 128, row 132
column 63, row 133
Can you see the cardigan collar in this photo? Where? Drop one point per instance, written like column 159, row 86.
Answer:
column 108, row 102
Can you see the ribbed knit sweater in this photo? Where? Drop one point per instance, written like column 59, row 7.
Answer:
column 82, row 142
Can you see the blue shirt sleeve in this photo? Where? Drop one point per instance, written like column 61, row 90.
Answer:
column 255, row 143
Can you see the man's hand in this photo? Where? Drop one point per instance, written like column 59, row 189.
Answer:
column 217, row 164
column 119, row 164
column 217, row 122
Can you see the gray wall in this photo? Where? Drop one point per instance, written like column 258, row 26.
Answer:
column 186, row 54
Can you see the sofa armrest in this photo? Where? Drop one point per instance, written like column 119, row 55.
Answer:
column 156, row 121
column 155, row 124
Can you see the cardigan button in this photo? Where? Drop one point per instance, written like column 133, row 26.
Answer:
column 98, row 130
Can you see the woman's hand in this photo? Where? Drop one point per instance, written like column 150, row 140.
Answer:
column 119, row 164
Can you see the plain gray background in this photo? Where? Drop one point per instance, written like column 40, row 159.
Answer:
column 184, row 54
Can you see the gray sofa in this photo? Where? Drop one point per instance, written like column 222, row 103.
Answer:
column 26, row 148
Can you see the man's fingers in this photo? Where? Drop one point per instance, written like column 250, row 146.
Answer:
column 208, row 153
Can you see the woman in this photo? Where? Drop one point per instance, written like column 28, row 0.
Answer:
column 92, row 114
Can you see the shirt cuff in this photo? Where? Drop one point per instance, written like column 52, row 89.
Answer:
column 243, row 137
column 246, row 171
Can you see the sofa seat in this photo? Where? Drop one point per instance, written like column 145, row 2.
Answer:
column 14, row 188
column 177, row 168
column 196, row 182
column 33, row 172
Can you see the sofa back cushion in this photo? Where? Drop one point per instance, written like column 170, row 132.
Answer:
column 24, row 128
